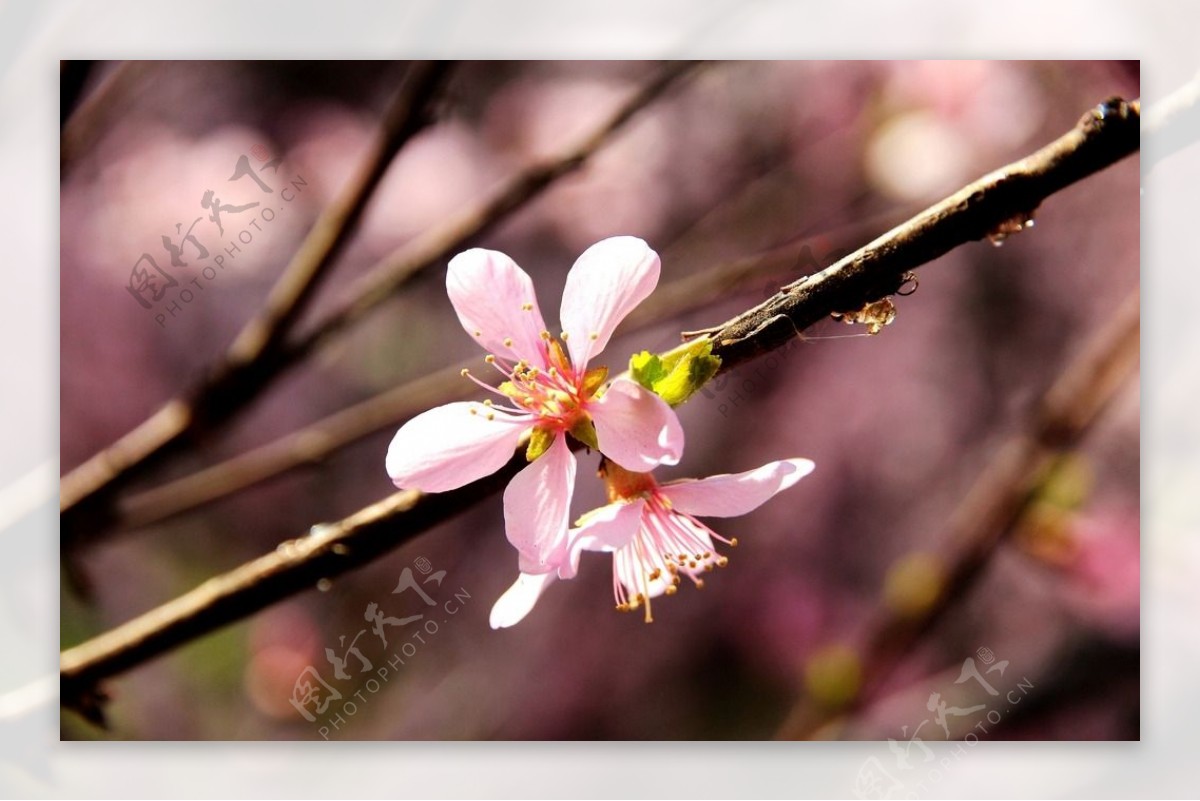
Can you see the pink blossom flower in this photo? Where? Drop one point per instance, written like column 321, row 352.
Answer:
column 548, row 390
column 653, row 534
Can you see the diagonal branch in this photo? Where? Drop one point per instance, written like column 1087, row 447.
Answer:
column 994, row 505
column 874, row 271
column 232, row 381
column 98, row 479
column 1105, row 135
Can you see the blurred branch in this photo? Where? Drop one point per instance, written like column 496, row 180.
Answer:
column 87, row 116
column 440, row 244
column 1102, row 137
column 88, row 490
column 235, row 378
column 994, row 505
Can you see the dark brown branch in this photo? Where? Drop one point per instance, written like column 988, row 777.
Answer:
column 88, row 491
column 295, row 565
column 995, row 504
column 1105, row 135
column 1099, row 140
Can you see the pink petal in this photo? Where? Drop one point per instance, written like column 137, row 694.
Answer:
column 636, row 428
column 607, row 281
column 517, row 601
column 489, row 292
column 608, row 528
column 537, row 508
column 732, row 495
column 448, row 447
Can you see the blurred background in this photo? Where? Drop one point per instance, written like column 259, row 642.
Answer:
column 739, row 158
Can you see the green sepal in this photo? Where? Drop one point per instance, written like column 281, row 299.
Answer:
column 679, row 374
column 646, row 368
column 540, row 441
column 585, row 432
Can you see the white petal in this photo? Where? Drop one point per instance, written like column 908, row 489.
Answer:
column 732, row 495
column 489, row 292
column 605, row 284
column 537, row 508
column 517, row 601
column 636, row 428
column 450, row 446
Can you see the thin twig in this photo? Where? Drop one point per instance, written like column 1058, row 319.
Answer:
column 234, row 379
column 1093, row 145
column 215, row 401
column 994, row 505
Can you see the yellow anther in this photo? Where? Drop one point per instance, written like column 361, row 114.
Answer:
column 699, row 584
column 464, row 372
column 733, row 543
column 563, row 336
column 508, row 342
column 593, row 336
column 722, row 561
column 671, row 589
column 478, row 333
column 472, row 410
column 490, row 359
column 491, row 415
column 527, row 307
column 487, row 402
column 545, row 335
